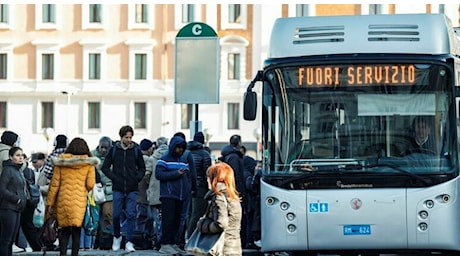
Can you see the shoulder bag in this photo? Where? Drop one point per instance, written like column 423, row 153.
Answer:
column 208, row 244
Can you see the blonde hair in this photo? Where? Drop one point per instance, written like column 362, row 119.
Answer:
column 222, row 172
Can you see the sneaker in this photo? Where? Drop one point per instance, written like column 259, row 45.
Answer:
column 29, row 249
column 179, row 250
column 17, row 249
column 116, row 243
column 168, row 250
column 258, row 243
column 129, row 247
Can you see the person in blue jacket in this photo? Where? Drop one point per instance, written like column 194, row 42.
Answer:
column 173, row 172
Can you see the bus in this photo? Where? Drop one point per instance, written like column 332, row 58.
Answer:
column 340, row 97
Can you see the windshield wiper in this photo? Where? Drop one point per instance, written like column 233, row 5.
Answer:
column 399, row 170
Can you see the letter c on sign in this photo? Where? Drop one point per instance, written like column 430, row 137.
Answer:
column 196, row 29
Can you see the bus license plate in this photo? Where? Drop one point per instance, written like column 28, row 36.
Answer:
column 357, row 230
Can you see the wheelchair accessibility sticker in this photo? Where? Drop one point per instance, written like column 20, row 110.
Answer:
column 318, row 207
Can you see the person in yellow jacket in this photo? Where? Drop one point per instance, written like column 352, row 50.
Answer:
column 74, row 175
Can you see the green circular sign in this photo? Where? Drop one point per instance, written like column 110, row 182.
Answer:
column 196, row 30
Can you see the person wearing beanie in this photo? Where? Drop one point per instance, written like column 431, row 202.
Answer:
column 60, row 144
column 142, row 203
column 199, row 137
column 146, row 144
column 60, row 141
column 8, row 140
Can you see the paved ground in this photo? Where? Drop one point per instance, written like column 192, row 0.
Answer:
column 97, row 252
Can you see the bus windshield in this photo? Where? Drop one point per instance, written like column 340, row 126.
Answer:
column 359, row 118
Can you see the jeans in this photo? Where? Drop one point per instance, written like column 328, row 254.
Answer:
column 155, row 213
column 9, row 227
column 128, row 202
column 86, row 241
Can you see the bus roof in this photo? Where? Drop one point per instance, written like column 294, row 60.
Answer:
column 393, row 33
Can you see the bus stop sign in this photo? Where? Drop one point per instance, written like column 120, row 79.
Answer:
column 197, row 65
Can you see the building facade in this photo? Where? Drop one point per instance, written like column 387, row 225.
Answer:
column 87, row 69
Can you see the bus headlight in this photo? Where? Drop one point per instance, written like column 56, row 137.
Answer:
column 445, row 198
column 429, row 204
column 290, row 216
column 423, row 226
column 284, row 205
column 270, row 201
column 291, row 228
column 423, row 214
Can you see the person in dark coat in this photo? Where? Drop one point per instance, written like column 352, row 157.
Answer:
column 173, row 172
column 13, row 199
column 231, row 154
column 202, row 161
column 27, row 225
column 125, row 167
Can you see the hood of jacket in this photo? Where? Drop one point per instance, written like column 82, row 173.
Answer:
column 228, row 149
column 175, row 142
column 70, row 160
column 9, row 162
column 194, row 145
column 162, row 149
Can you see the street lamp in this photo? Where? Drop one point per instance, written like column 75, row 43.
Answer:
column 48, row 133
column 257, row 134
column 207, row 135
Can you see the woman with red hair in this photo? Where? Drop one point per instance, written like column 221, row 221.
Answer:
column 224, row 214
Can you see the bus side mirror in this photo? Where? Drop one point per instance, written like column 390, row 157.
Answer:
column 250, row 105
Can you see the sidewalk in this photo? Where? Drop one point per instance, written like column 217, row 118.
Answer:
column 97, row 252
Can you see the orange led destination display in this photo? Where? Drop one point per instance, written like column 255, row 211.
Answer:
column 356, row 75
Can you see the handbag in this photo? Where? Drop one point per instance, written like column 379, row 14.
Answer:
column 98, row 193
column 38, row 218
column 206, row 244
column 209, row 244
column 91, row 220
column 49, row 231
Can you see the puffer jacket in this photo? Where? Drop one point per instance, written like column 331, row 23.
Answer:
column 223, row 214
column 12, row 185
column 202, row 160
column 233, row 157
column 73, row 177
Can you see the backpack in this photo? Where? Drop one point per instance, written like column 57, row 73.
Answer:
column 33, row 190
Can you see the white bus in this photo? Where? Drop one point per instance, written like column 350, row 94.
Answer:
column 342, row 170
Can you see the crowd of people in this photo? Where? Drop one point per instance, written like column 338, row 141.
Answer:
column 156, row 193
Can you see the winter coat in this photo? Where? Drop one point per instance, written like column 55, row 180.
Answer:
column 12, row 187
column 48, row 167
column 153, row 192
column 125, row 168
column 73, row 177
column 202, row 160
column 144, row 183
column 225, row 215
column 106, row 181
column 4, row 154
column 233, row 157
column 172, row 184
